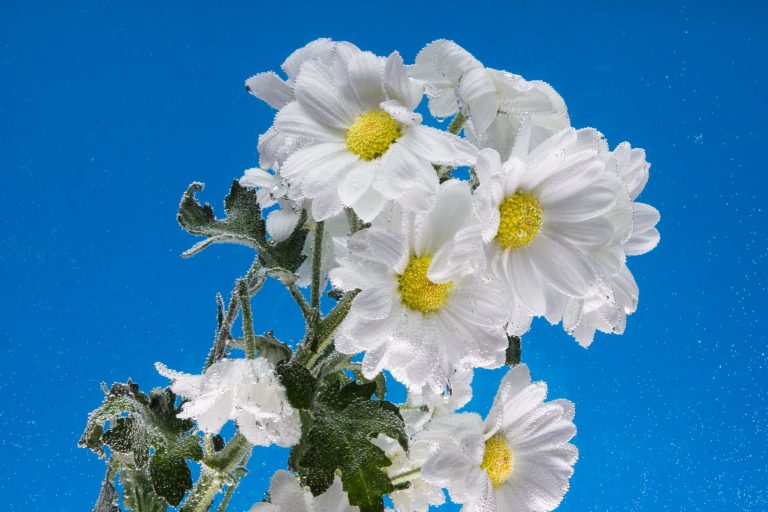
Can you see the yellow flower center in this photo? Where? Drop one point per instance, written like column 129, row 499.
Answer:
column 520, row 220
column 416, row 290
column 497, row 460
column 372, row 134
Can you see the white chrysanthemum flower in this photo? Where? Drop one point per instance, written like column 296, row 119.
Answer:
column 544, row 213
column 518, row 459
column 361, row 143
column 247, row 391
column 423, row 309
column 459, row 82
column 287, row 495
column 636, row 233
column 418, row 412
column 406, row 467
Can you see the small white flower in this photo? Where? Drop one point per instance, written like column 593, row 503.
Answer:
column 405, row 466
column 423, row 309
column 287, row 495
column 245, row 390
column 518, row 459
column 361, row 145
column 459, row 82
column 544, row 214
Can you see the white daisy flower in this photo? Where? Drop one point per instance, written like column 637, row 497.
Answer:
column 245, row 390
column 459, row 82
column 544, row 213
column 287, row 495
column 423, row 309
column 361, row 143
column 518, row 459
column 636, row 233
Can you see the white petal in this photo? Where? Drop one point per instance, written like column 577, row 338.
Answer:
column 397, row 83
column 331, row 156
column 641, row 243
column 281, row 223
column 294, row 121
column 452, row 211
column 644, row 217
column 591, row 235
column 366, row 78
column 326, row 204
column 369, row 205
column 563, row 266
column 316, row 92
column 356, row 182
column 478, row 91
column 270, row 88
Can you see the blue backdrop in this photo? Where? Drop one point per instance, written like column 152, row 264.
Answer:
column 108, row 110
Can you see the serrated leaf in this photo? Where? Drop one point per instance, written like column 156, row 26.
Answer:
column 242, row 225
column 345, row 420
column 299, row 384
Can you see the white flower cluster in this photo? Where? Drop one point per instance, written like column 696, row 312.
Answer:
column 452, row 244
column 447, row 267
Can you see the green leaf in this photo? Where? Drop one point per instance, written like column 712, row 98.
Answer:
column 171, row 477
column 138, row 493
column 299, row 384
column 345, row 420
column 513, row 351
column 242, row 225
column 137, row 424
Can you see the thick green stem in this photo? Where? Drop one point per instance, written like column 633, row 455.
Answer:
column 317, row 253
column 245, row 305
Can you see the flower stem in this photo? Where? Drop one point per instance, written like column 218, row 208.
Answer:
column 245, row 304
column 317, row 251
column 405, row 476
column 457, row 123
column 217, row 469
column 329, row 324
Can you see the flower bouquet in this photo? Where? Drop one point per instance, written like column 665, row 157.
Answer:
column 414, row 254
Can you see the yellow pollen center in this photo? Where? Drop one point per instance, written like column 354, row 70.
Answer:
column 372, row 134
column 520, row 220
column 416, row 290
column 497, row 460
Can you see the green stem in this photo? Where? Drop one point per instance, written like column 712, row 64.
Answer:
column 245, row 305
column 457, row 123
column 225, row 502
column 316, row 260
column 306, row 310
column 216, row 469
column 354, row 221
column 329, row 325
column 405, row 476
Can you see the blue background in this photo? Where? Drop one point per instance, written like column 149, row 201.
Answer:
column 108, row 111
